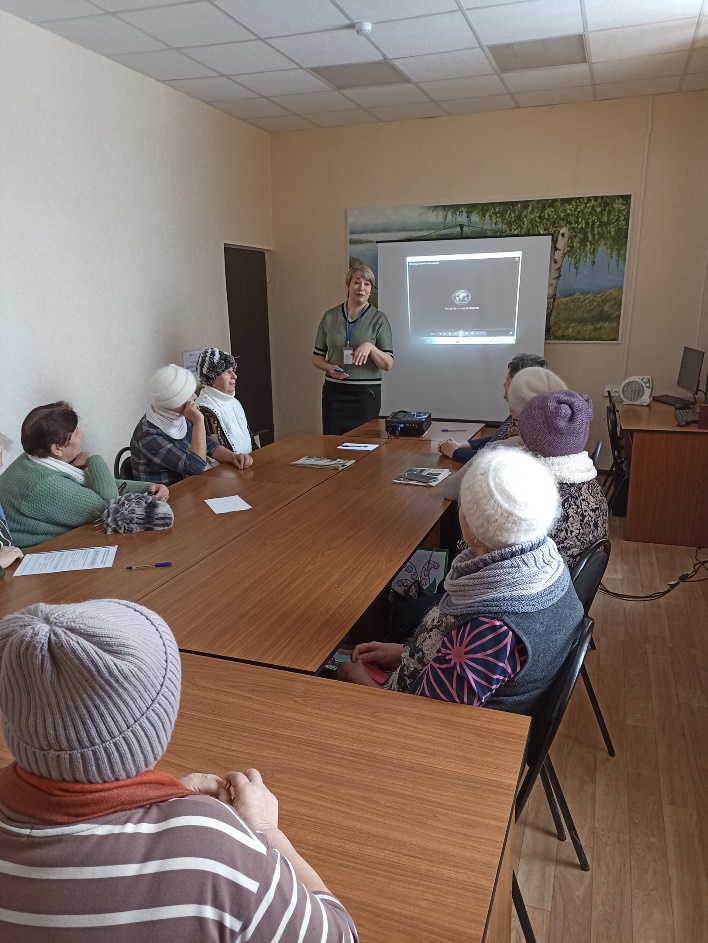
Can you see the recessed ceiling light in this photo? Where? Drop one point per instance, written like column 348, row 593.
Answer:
column 539, row 53
column 360, row 74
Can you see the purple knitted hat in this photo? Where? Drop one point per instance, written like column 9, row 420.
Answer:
column 556, row 423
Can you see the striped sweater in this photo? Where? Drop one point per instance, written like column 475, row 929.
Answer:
column 182, row 871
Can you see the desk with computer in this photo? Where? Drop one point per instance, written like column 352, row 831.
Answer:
column 666, row 502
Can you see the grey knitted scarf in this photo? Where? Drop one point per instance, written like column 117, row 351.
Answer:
column 523, row 578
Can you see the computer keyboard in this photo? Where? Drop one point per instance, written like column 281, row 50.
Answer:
column 676, row 401
column 685, row 416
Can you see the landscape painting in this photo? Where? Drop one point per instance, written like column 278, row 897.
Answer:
column 587, row 264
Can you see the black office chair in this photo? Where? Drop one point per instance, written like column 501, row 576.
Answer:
column 618, row 475
column 544, row 727
column 587, row 575
column 595, row 454
column 123, row 469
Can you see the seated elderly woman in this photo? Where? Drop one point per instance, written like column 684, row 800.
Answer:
column 509, row 614
column 89, row 695
column 54, row 486
column 224, row 418
column 555, row 427
column 463, row 451
column 170, row 441
column 524, row 385
column 8, row 552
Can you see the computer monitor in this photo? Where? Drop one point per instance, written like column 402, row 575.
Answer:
column 689, row 377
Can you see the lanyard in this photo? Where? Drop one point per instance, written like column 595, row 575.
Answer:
column 350, row 325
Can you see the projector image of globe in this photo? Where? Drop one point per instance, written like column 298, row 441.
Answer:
column 461, row 297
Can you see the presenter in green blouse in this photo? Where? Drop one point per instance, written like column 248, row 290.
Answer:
column 353, row 347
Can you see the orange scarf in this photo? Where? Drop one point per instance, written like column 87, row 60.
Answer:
column 60, row 803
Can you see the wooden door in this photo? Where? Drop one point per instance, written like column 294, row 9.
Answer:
column 247, row 297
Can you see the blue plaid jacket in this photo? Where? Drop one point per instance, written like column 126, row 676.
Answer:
column 156, row 456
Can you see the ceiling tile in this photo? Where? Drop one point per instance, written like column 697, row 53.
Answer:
column 360, row 74
column 191, row 24
column 118, row 6
column 537, row 80
column 650, row 40
column 282, row 123
column 640, row 67
column 34, row 11
column 453, row 65
column 164, row 65
column 424, row 34
column 408, row 112
column 534, row 19
column 695, row 82
column 699, row 61
column 610, row 14
column 332, row 47
column 338, row 119
column 555, row 96
column 212, row 90
column 641, row 87
column 377, row 10
column 250, row 108
column 284, row 17
column 283, row 82
column 104, row 34
column 379, row 95
column 314, row 102
column 467, row 106
column 235, row 58
column 476, row 86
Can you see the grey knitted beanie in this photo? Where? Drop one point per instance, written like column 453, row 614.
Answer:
column 89, row 692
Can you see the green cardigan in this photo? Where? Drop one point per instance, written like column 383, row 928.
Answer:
column 40, row 503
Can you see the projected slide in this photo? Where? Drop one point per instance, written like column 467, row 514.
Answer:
column 464, row 298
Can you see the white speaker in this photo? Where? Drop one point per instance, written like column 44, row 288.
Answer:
column 637, row 390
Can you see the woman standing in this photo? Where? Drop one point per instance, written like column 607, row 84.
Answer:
column 353, row 346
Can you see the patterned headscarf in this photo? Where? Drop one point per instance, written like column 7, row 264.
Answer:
column 212, row 363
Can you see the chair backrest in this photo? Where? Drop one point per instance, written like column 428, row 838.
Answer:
column 126, row 465
column 595, row 454
column 547, row 719
column 588, row 572
column 613, row 433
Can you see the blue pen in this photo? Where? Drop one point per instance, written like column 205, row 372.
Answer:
column 145, row 566
column 453, row 430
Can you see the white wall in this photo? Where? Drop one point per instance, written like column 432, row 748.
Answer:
column 654, row 148
column 117, row 194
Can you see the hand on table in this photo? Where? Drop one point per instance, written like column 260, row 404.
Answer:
column 253, row 801
column 242, row 461
column 160, row 491
column 448, row 446
column 8, row 555
column 384, row 654
column 208, row 784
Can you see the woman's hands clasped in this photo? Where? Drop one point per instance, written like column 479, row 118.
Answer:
column 383, row 654
column 246, row 792
column 448, row 446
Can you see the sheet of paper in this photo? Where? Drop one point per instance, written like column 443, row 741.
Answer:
column 360, row 446
column 225, row 505
column 60, row 561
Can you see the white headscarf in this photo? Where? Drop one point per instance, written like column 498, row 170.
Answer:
column 231, row 416
column 172, row 423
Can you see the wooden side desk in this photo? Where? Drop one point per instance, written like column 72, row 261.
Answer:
column 376, row 428
column 390, row 797
column 668, row 494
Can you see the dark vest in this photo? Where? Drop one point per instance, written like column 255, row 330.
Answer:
column 548, row 635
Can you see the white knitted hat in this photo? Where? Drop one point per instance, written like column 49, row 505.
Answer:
column 89, row 692
column 530, row 382
column 171, row 386
column 508, row 498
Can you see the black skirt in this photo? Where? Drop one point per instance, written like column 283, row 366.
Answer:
column 345, row 407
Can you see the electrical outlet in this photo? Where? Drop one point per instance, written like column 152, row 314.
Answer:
column 612, row 388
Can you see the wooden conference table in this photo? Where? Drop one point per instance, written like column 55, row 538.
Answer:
column 667, row 488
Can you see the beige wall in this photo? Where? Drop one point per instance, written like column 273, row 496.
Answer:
column 117, row 194
column 654, row 149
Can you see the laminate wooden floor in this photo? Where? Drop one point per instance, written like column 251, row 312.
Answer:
column 642, row 816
